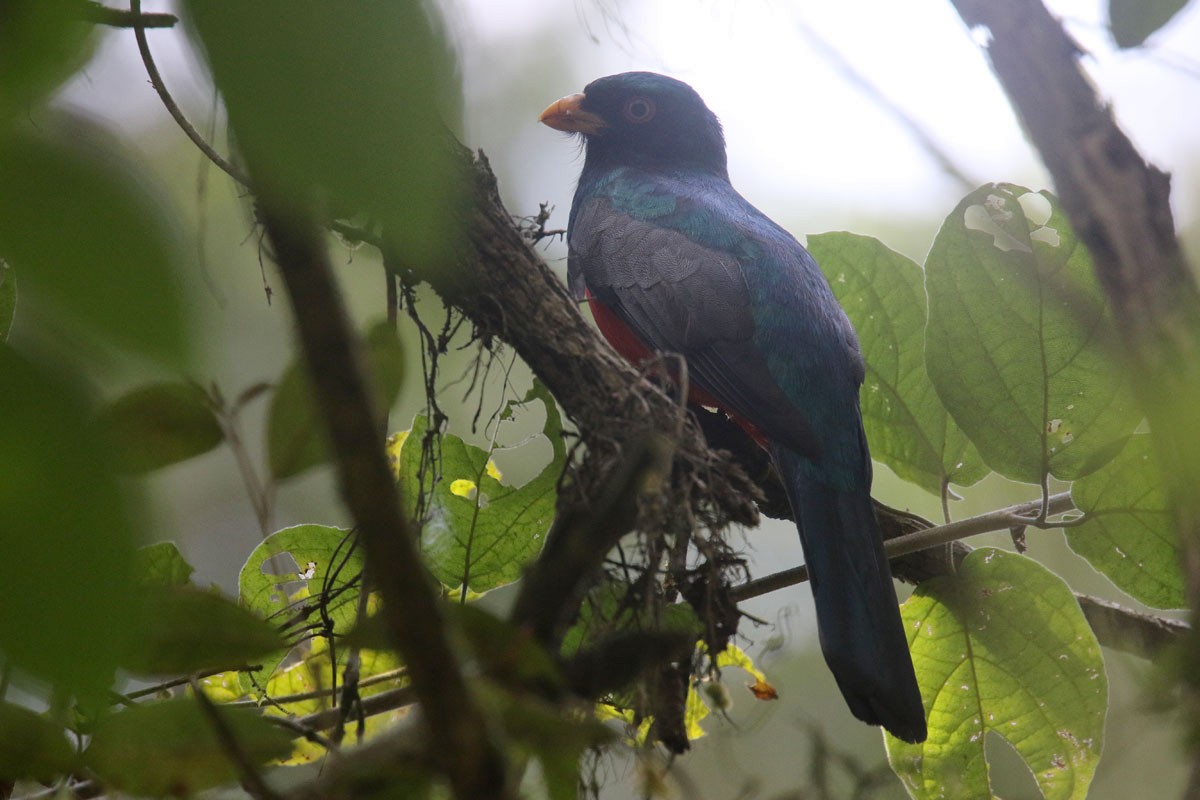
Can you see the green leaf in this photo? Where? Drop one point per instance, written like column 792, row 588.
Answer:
column 478, row 532
column 65, row 533
column 270, row 582
column 907, row 426
column 1135, row 21
column 296, row 437
column 94, row 248
column 31, row 746
column 42, row 43
column 8, row 298
column 184, row 630
column 348, row 104
column 1019, row 344
column 171, row 748
column 159, row 425
column 161, row 564
column 1129, row 533
column 1002, row 647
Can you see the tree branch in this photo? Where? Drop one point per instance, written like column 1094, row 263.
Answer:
column 460, row 739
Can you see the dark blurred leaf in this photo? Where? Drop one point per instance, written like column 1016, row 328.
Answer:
column 32, row 746
column 296, row 438
column 506, row 651
column 91, row 243
column 906, row 423
column 8, row 298
column 1129, row 534
column 343, row 103
column 1135, row 21
column 42, row 43
column 479, row 532
column 1019, row 342
column 1002, row 647
column 183, row 630
column 159, row 425
column 161, row 564
column 170, row 748
column 65, row 534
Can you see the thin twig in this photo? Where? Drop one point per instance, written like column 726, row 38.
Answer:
column 171, row 684
column 120, row 18
column 139, row 31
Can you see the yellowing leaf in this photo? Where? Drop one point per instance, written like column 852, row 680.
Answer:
column 464, row 488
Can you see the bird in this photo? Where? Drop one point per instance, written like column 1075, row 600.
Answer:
column 671, row 259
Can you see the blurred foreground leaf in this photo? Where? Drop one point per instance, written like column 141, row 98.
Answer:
column 1002, row 647
column 8, row 298
column 170, row 748
column 184, row 630
column 42, row 43
column 65, row 532
column 161, row 424
column 31, row 746
column 1135, row 21
column 1129, row 534
column 348, row 104
column 94, row 249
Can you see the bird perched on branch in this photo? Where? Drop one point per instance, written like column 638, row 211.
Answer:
column 674, row 260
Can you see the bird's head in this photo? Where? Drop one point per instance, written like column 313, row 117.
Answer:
column 642, row 119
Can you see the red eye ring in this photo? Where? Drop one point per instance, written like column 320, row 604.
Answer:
column 639, row 109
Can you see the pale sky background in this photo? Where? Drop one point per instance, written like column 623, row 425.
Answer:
column 805, row 146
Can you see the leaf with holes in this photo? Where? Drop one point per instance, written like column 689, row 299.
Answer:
column 1019, row 344
column 1128, row 534
column 907, row 426
column 477, row 532
column 299, row 576
column 1002, row 647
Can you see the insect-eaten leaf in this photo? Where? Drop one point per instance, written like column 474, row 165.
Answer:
column 1002, row 647
column 477, row 532
column 159, row 425
column 1019, row 343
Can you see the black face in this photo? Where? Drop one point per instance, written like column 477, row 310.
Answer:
column 653, row 121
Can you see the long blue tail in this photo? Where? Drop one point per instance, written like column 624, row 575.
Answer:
column 858, row 616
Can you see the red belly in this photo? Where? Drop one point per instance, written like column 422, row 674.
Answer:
column 625, row 342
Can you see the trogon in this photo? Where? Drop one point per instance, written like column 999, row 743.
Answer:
column 673, row 260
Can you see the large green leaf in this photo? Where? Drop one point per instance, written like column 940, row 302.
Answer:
column 183, row 630
column 1019, row 345
column 1129, row 533
column 350, row 104
column 1002, row 647
column 272, row 585
column 296, row 438
column 93, row 246
column 171, row 748
column 8, row 298
column 161, row 564
column 160, row 424
column 1134, row 21
column 66, row 535
column 32, row 746
column 477, row 532
column 907, row 426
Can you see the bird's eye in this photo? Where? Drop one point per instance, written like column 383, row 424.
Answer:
column 639, row 109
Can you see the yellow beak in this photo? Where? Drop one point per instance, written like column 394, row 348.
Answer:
column 567, row 114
